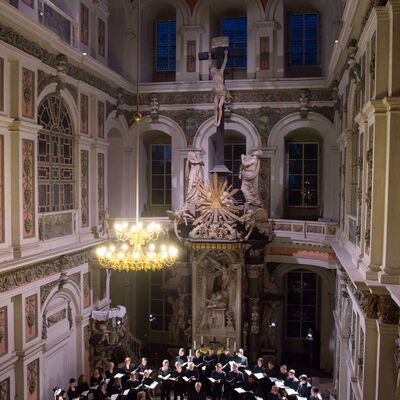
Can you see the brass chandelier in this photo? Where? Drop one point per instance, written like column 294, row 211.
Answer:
column 133, row 249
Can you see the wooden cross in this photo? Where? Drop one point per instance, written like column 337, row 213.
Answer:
column 217, row 53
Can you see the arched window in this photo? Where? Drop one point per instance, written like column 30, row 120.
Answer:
column 55, row 156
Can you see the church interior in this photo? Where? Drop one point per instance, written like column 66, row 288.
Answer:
column 185, row 183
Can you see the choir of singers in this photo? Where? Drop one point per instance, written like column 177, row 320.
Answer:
column 194, row 378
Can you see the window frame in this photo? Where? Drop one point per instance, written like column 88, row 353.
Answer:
column 232, row 160
column 235, row 68
column 303, row 174
column 156, row 46
column 50, row 207
column 164, row 299
column 165, row 174
column 318, row 38
column 317, row 300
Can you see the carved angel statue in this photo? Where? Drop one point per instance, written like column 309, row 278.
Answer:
column 249, row 175
column 257, row 218
column 220, row 92
column 179, row 217
column 194, row 175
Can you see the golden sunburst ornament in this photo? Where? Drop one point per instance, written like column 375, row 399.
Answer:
column 215, row 203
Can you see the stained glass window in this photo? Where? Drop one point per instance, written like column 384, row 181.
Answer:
column 55, row 156
column 236, row 30
column 166, row 45
column 301, row 303
column 303, row 39
column 160, row 174
column 303, row 177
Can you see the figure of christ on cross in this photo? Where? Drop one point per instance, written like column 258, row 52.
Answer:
column 220, row 94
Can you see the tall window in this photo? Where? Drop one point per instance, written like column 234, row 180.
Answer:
column 166, row 45
column 303, row 39
column 303, row 177
column 236, row 30
column 232, row 159
column 301, row 303
column 160, row 174
column 55, row 156
column 160, row 307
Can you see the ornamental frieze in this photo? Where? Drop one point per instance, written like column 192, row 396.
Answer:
column 16, row 278
column 239, row 96
column 380, row 307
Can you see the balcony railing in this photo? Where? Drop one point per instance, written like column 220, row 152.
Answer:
column 304, row 229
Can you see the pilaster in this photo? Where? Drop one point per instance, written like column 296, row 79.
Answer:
column 265, row 56
column 386, row 372
column 391, row 226
column 6, row 177
column 24, row 186
column 190, row 65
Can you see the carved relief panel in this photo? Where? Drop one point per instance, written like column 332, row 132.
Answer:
column 84, row 111
column 100, row 119
column 31, row 317
column 84, row 188
column 3, row 332
column 86, row 290
column 28, row 193
column 100, row 188
column 5, row 389
column 32, row 380
column 28, row 93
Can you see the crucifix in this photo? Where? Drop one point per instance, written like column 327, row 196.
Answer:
column 220, row 53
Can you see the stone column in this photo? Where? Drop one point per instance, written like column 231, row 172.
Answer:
column 254, row 274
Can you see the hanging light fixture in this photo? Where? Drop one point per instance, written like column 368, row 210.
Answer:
column 133, row 249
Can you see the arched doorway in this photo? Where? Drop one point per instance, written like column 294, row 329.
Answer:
column 62, row 351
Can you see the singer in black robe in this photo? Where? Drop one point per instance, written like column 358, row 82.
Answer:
column 179, row 383
column 166, row 384
column 193, row 375
column 217, row 387
column 234, row 379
